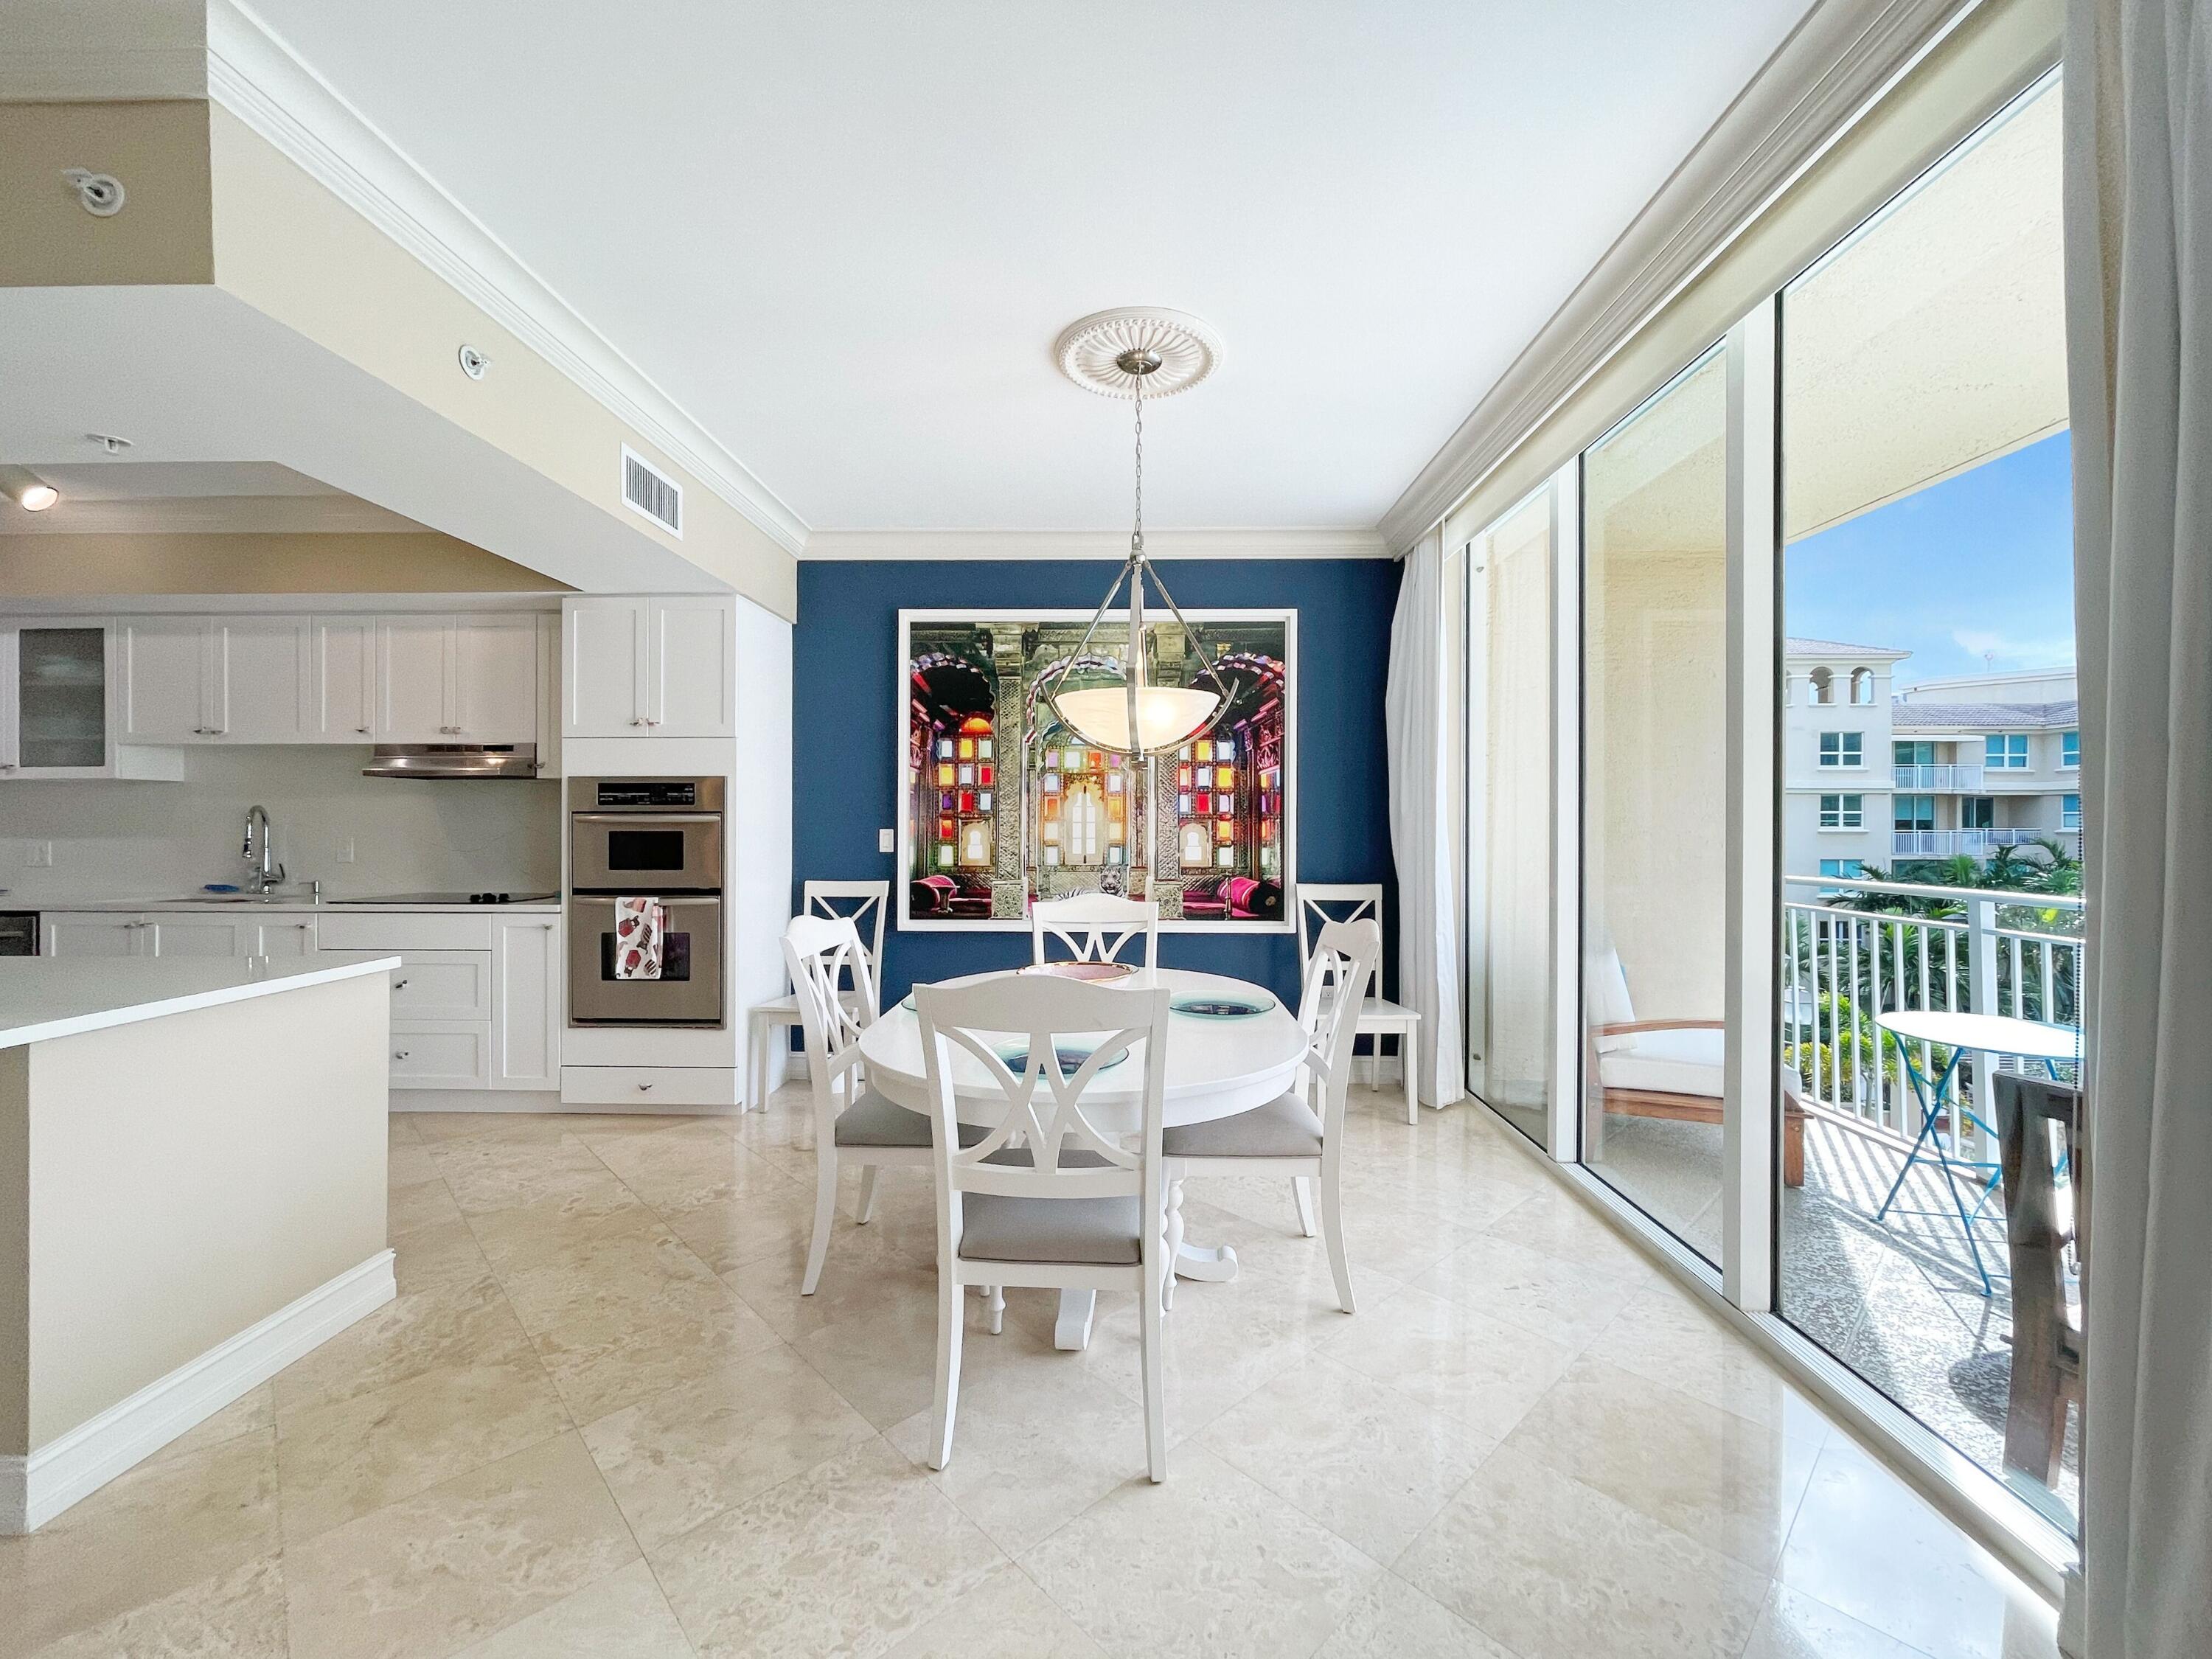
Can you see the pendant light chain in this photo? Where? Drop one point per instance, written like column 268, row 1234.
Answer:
column 1137, row 536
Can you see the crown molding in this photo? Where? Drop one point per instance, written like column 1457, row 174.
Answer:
column 1110, row 545
column 252, row 73
column 1839, row 59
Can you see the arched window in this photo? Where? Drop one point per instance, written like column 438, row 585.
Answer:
column 1823, row 684
column 1080, row 827
column 1862, row 685
column 1197, row 845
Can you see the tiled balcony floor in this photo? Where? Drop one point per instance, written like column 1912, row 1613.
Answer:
column 1898, row 1300
column 599, row 1420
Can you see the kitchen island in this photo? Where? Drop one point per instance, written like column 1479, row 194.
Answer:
column 192, row 1196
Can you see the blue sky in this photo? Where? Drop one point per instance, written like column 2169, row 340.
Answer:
column 1982, row 562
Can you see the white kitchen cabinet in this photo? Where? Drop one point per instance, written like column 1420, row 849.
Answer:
column 455, row 1058
column 341, row 679
column 526, row 1019
column 691, row 674
column 59, row 702
column 189, row 934
column 163, row 664
column 457, row 679
column 89, row 934
column 649, row 667
column 290, row 936
column 258, row 679
column 413, row 700
column 494, row 677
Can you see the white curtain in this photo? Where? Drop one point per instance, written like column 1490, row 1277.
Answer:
column 1417, row 725
column 2139, row 292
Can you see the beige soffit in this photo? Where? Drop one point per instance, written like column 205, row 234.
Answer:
column 1967, row 73
column 1293, row 543
column 258, row 79
column 1843, row 54
column 68, row 51
column 420, row 562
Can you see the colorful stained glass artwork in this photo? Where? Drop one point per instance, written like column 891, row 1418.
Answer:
column 944, row 801
column 1182, row 805
column 1182, row 777
column 945, row 857
column 967, row 773
column 1225, row 749
column 1224, row 777
column 1205, row 807
column 945, row 748
column 1204, row 749
column 1113, row 782
column 976, row 842
column 1052, row 857
column 983, row 748
column 967, row 800
column 984, row 801
column 1224, row 830
column 967, row 748
column 983, row 776
column 1052, row 783
column 945, row 776
column 1227, row 857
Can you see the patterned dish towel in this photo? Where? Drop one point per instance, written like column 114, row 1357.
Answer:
column 639, row 926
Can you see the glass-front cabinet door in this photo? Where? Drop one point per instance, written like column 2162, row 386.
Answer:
column 58, row 694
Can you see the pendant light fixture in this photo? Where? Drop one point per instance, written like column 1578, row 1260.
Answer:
column 1135, row 353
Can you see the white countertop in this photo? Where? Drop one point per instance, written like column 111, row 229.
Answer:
column 42, row 997
column 283, row 904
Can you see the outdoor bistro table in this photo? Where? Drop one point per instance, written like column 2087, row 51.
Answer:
column 1989, row 1034
column 1217, row 1066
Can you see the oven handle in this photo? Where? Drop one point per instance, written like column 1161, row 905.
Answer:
column 665, row 903
column 646, row 817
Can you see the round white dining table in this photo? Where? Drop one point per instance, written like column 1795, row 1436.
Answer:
column 1217, row 1067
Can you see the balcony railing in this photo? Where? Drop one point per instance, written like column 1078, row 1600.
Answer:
column 1950, row 843
column 1941, row 777
column 2005, row 953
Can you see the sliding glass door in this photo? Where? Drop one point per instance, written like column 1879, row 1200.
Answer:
column 1654, row 619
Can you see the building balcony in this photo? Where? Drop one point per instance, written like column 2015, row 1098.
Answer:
column 1975, row 843
column 1943, row 777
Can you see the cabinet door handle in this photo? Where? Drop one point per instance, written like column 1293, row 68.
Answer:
column 398, row 984
column 639, row 721
column 645, row 1088
column 362, row 730
column 399, row 1053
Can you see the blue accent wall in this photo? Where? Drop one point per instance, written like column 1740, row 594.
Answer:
column 847, row 750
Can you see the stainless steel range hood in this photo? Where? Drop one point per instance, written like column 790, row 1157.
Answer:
column 452, row 760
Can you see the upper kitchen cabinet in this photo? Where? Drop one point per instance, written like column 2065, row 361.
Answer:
column 60, row 702
column 649, row 667
column 212, row 679
column 341, row 679
column 457, row 679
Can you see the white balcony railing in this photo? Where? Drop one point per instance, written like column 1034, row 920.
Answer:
column 1942, row 776
column 2005, row 953
column 1973, row 843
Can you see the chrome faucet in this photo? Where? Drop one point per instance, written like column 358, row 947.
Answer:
column 266, row 876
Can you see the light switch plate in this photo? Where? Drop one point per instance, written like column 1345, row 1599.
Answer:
column 39, row 854
column 887, row 840
column 345, row 851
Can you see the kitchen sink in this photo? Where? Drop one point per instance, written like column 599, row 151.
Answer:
column 280, row 898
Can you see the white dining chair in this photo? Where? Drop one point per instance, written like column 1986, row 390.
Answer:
column 1322, row 903
column 1049, row 1197
column 864, row 904
column 1095, row 926
column 853, row 1126
column 1299, row 1133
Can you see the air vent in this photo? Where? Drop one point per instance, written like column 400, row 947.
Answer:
column 647, row 490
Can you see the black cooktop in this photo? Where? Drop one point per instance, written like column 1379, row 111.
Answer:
column 451, row 898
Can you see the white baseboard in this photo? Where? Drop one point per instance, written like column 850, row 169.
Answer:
column 35, row 1489
column 475, row 1100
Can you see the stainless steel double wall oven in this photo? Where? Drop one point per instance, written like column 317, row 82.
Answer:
column 659, row 838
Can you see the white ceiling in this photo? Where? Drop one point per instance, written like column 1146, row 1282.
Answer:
column 844, row 235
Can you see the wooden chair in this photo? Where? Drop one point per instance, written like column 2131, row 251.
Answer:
column 2046, row 1338
column 853, row 1126
column 1095, row 926
column 863, row 903
column 1303, row 1137
column 1321, row 903
column 1672, row 1068
column 1050, row 1198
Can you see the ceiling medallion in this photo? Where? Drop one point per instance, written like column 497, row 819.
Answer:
column 1090, row 350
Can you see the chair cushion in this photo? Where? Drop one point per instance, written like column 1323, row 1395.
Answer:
column 1098, row 1231
column 1605, row 993
column 1284, row 1128
column 871, row 1121
column 1686, row 1062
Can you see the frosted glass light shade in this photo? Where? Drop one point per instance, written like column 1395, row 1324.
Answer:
column 1166, row 714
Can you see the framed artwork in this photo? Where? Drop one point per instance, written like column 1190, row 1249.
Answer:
column 1000, row 804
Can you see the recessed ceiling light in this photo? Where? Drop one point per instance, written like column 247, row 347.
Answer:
column 108, row 441
column 30, row 492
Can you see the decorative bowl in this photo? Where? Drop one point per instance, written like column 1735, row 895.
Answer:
column 1097, row 973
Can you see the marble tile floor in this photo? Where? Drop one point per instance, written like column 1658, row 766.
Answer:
column 1896, row 1300
column 599, row 1420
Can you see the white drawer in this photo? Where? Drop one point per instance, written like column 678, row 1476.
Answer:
column 400, row 930
column 656, row 1085
column 441, row 985
column 441, row 1057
